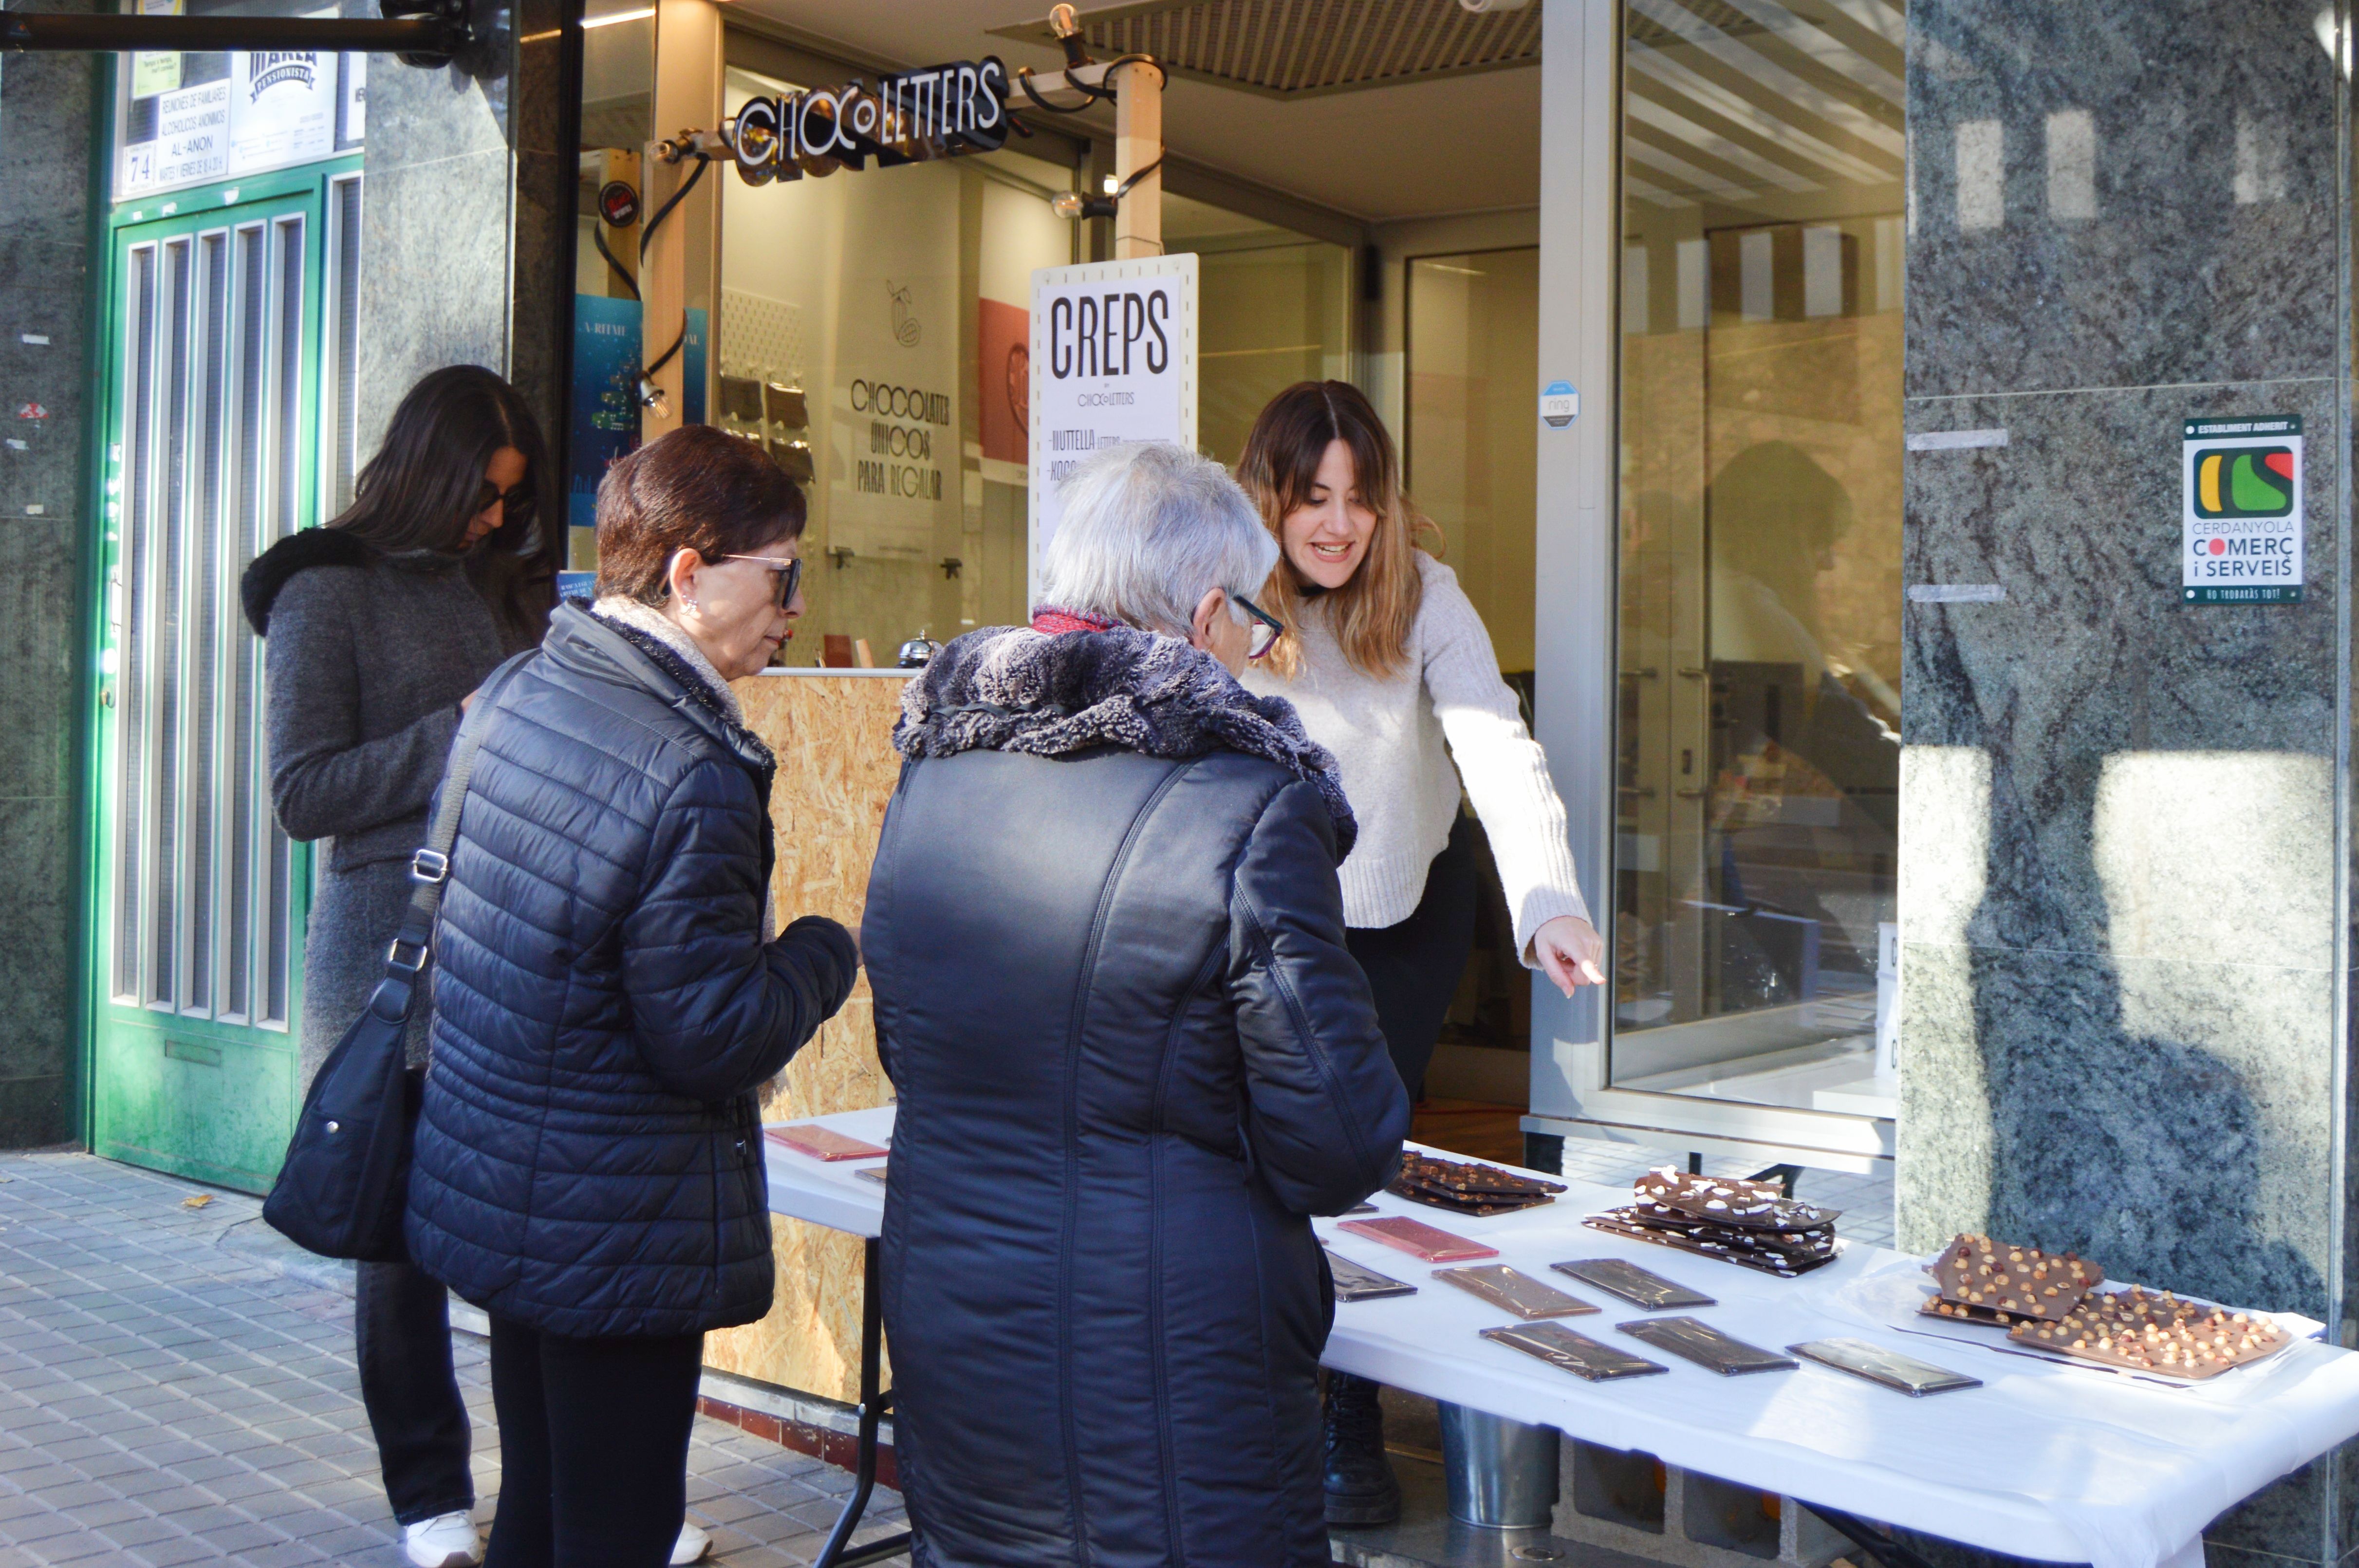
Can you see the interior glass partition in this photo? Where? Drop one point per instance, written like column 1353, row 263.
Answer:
column 1763, row 212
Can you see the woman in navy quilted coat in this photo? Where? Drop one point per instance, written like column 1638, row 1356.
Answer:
column 609, row 997
column 1132, row 1057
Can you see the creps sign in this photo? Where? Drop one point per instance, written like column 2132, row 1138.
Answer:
column 1117, row 332
column 942, row 111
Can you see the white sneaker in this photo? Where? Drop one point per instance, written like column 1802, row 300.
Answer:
column 692, row 1546
column 446, row 1541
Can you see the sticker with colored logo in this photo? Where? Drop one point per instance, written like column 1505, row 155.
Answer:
column 2241, row 520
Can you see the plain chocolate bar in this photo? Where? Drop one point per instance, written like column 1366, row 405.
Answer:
column 1417, row 1238
column 1705, row 1345
column 1518, row 1291
column 1357, row 1283
column 1575, row 1353
column 1906, row 1373
column 820, row 1142
column 1639, row 1287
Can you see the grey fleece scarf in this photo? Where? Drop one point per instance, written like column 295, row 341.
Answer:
column 1009, row 688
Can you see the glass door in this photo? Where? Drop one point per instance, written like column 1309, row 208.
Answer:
column 212, row 452
column 1763, row 207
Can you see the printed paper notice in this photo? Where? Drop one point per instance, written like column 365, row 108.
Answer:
column 282, row 109
column 192, row 135
column 1113, row 361
column 2241, row 522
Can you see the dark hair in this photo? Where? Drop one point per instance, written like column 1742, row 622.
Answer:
column 697, row 488
column 1371, row 614
column 427, row 479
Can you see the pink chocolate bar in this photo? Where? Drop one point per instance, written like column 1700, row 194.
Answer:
column 820, row 1142
column 1417, row 1238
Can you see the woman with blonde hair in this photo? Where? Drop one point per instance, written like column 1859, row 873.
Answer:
column 1391, row 669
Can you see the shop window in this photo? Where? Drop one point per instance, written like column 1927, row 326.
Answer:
column 1276, row 308
column 1760, row 563
column 1472, row 321
column 873, row 331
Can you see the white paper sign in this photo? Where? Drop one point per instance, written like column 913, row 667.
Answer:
column 2241, row 522
column 191, row 135
column 1113, row 360
column 282, row 109
column 355, row 97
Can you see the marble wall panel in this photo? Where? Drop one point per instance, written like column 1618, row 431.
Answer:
column 2119, row 195
column 437, row 236
column 45, row 125
column 2105, row 707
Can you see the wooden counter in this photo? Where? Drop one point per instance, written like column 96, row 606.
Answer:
column 837, row 769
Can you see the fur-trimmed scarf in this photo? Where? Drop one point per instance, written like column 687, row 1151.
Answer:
column 1009, row 688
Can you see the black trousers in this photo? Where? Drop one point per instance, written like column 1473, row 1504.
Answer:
column 1413, row 968
column 401, row 1336
column 594, row 1447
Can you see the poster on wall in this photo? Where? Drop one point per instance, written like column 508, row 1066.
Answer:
column 605, row 397
column 192, row 145
column 2241, row 523
column 1113, row 361
column 282, row 109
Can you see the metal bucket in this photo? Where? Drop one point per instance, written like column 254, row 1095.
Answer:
column 1502, row 1474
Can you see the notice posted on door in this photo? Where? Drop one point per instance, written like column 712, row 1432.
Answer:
column 2242, row 523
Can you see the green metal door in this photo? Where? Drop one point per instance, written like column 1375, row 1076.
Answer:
column 216, row 406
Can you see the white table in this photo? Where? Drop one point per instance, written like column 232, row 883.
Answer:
column 2054, row 1462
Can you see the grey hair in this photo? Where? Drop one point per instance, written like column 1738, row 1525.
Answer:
column 1148, row 528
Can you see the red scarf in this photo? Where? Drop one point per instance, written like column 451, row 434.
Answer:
column 1056, row 623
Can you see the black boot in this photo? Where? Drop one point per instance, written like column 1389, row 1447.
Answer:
column 1361, row 1490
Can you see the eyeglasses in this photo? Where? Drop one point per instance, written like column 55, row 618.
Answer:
column 515, row 502
column 1267, row 628
column 788, row 572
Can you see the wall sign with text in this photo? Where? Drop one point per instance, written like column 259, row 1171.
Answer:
column 2241, row 524
column 1113, row 361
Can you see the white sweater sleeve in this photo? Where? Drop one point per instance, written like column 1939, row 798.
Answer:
column 1505, row 770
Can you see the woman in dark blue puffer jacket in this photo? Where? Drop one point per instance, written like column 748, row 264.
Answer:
column 608, row 998
column 1131, row 1055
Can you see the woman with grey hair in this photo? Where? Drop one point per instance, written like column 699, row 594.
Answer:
column 1131, row 1052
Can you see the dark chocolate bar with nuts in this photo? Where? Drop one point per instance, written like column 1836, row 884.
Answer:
column 2139, row 1331
column 1469, row 1177
column 1465, row 1203
column 1730, row 1200
column 2022, row 1282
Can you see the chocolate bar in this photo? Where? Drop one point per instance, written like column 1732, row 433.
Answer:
column 1358, row 1282
column 1889, row 1368
column 1417, row 1238
column 1575, row 1353
column 820, row 1142
column 1699, row 1341
column 1729, row 1200
column 1477, row 1203
column 1639, row 1287
column 1793, row 1243
column 1465, row 1176
column 2141, row 1332
column 1518, row 1291
column 1768, row 1260
column 2022, row 1282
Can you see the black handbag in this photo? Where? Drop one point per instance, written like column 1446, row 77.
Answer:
column 344, row 1185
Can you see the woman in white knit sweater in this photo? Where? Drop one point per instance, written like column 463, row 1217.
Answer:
column 1391, row 669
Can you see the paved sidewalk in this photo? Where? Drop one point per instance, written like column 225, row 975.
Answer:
column 177, row 1386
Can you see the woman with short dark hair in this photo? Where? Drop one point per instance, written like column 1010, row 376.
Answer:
column 608, row 999
column 376, row 628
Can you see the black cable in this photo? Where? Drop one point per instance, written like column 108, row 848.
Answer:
column 648, row 234
column 648, row 394
column 1024, row 81
column 598, row 237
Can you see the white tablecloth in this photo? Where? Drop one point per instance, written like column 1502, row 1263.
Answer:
column 2064, row 1463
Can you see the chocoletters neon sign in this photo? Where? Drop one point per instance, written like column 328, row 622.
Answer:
column 940, row 111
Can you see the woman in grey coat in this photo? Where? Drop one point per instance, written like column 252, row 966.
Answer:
column 377, row 629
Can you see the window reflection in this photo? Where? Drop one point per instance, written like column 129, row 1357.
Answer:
column 1760, row 573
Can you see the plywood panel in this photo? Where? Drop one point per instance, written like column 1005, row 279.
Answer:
column 837, row 767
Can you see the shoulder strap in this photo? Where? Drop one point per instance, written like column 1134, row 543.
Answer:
column 430, row 867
